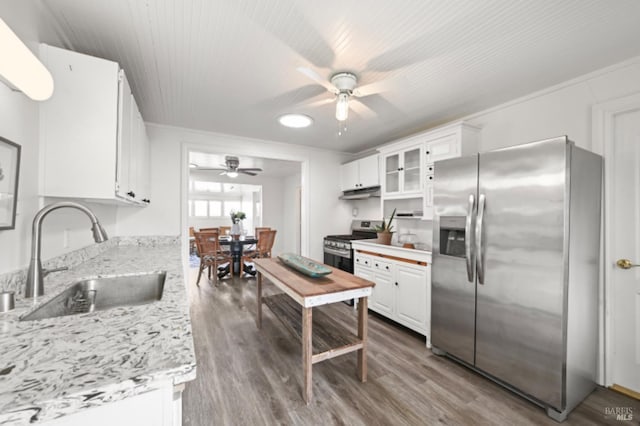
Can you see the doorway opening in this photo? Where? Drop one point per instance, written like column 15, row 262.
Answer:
column 270, row 198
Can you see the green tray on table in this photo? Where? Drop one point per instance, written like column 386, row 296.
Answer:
column 304, row 265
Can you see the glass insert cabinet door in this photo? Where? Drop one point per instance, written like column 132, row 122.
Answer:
column 411, row 170
column 392, row 173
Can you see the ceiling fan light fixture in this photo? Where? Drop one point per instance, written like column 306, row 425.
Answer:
column 342, row 107
column 232, row 174
column 295, row 121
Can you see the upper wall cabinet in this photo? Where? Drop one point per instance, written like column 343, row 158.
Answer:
column 455, row 140
column 362, row 173
column 92, row 135
column 402, row 170
column 408, row 165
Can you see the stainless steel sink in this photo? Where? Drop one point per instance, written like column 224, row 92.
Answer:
column 98, row 294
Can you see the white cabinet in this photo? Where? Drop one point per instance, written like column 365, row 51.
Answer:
column 91, row 131
column 409, row 165
column 362, row 173
column 403, row 283
column 411, row 294
column 402, row 172
column 156, row 407
column 454, row 140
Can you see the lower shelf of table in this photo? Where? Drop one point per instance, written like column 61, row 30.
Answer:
column 329, row 338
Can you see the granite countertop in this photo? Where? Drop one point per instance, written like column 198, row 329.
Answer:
column 57, row 366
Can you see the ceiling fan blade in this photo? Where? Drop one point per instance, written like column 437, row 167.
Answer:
column 317, row 78
column 320, row 102
column 361, row 109
column 247, row 173
column 377, row 87
column 250, row 169
column 209, row 169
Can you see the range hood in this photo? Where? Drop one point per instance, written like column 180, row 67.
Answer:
column 361, row 194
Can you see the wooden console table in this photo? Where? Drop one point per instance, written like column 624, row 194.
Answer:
column 322, row 337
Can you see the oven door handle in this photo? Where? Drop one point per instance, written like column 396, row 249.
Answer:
column 340, row 253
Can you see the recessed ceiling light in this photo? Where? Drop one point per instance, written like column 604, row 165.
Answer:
column 296, row 121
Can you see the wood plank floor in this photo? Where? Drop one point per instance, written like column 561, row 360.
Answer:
column 248, row 377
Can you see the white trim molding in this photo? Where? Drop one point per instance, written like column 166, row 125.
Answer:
column 603, row 139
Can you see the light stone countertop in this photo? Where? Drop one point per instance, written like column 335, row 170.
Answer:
column 57, row 366
column 415, row 254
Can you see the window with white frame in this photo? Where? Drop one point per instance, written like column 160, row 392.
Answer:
column 217, row 200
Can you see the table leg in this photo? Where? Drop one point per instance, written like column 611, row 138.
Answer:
column 362, row 334
column 259, row 297
column 307, row 324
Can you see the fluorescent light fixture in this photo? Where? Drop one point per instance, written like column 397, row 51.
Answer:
column 296, row 121
column 21, row 68
column 342, row 107
column 232, row 174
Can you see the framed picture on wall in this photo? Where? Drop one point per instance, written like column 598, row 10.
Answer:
column 9, row 173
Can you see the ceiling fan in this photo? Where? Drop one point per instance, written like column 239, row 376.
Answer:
column 231, row 168
column 344, row 86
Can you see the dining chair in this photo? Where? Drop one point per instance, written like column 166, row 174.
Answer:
column 263, row 248
column 258, row 229
column 225, row 230
column 210, row 253
column 210, row 230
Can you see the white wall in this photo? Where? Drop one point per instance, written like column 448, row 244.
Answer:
column 289, row 236
column 367, row 209
column 168, row 150
column 19, row 123
column 564, row 109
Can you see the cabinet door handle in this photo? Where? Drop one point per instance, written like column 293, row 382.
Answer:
column 376, row 265
column 131, row 194
column 387, row 268
column 428, row 152
column 396, row 284
column 146, row 200
column 430, row 177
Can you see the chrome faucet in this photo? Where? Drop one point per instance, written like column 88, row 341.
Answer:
column 35, row 275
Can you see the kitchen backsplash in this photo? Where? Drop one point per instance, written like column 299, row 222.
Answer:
column 422, row 229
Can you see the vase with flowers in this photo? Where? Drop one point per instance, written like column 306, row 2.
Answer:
column 236, row 220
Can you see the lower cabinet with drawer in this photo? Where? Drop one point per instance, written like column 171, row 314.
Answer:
column 403, row 284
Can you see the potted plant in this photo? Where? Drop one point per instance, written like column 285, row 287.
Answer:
column 384, row 230
column 236, row 218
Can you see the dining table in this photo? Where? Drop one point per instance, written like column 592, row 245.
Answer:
column 236, row 249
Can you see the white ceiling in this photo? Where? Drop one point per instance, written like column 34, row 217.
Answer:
column 270, row 167
column 230, row 65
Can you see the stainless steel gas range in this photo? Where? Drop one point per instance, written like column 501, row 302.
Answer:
column 337, row 248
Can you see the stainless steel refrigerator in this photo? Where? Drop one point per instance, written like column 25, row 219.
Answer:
column 515, row 268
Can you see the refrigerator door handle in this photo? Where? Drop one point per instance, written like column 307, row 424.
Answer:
column 468, row 240
column 479, row 252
